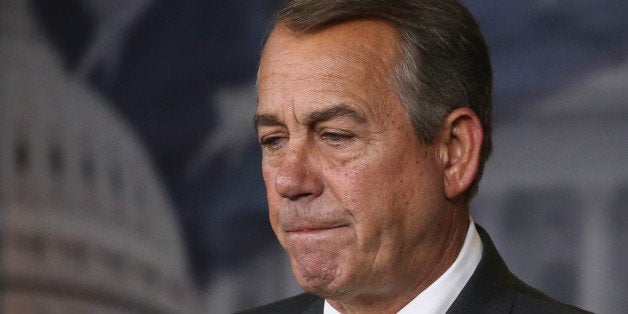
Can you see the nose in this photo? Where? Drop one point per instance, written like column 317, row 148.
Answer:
column 297, row 176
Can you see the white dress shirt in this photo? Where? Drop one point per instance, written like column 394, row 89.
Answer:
column 442, row 293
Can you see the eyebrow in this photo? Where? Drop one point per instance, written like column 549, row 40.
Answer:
column 265, row 120
column 314, row 117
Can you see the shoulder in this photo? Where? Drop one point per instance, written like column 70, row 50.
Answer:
column 535, row 303
column 301, row 303
column 494, row 289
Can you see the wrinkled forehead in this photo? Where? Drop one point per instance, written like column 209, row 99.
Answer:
column 348, row 57
column 368, row 41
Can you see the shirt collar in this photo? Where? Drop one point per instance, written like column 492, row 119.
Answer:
column 439, row 296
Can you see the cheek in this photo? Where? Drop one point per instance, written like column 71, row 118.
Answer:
column 383, row 186
column 363, row 190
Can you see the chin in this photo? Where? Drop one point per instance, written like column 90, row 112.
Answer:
column 326, row 284
column 326, row 291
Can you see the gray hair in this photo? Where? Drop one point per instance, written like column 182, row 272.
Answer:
column 443, row 63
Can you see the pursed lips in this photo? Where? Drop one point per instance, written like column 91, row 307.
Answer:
column 312, row 227
column 303, row 220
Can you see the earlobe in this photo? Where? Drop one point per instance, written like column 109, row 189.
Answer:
column 461, row 142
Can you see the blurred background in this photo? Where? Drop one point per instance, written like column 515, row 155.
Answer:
column 129, row 167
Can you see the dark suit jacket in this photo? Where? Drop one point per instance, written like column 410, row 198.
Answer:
column 491, row 289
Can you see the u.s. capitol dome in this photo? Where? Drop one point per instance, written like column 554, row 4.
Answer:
column 86, row 225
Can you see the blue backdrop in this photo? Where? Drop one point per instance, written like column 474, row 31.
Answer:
column 182, row 74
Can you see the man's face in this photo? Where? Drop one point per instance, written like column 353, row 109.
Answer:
column 354, row 198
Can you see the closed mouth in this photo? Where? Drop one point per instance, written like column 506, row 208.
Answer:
column 313, row 228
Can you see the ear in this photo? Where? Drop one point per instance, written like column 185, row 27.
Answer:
column 459, row 145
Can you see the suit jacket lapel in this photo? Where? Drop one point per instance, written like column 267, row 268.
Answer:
column 316, row 307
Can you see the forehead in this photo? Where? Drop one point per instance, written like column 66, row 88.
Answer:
column 351, row 57
column 376, row 34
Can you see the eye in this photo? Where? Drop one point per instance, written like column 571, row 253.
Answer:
column 336, row 138
column 272, row 142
